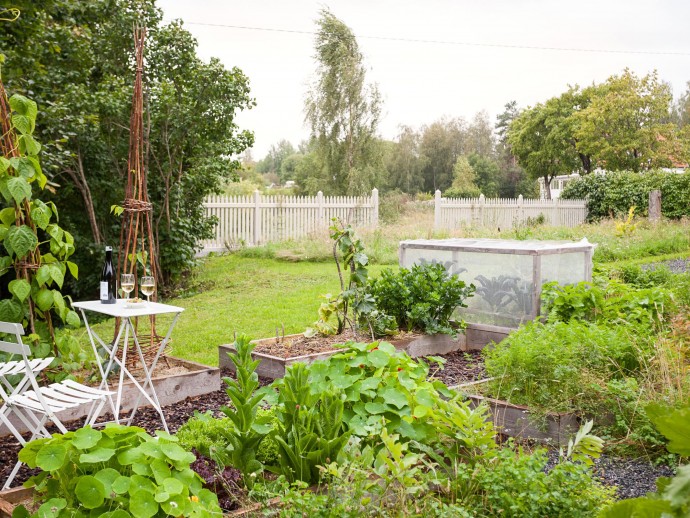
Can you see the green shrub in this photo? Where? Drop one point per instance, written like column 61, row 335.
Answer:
column 606, row 302
column 120, row 470
column 640, row 277
column 612, row 194
column 516, row 484
column 423, row 297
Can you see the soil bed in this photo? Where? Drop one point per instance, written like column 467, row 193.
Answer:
column 300, row 345
column 460, row 367
column 634, row 477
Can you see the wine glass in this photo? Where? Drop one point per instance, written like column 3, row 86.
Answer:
column 127, row 284
column 147, row 286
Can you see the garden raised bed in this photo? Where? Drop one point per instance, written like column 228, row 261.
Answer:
column 196, row 380
column 519, row 422
column 272, row 366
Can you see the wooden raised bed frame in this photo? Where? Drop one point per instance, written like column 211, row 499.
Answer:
column 172, row 388
column 274, row 367
column 516, row 420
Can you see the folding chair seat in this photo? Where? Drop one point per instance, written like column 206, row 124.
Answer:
column 33, row 405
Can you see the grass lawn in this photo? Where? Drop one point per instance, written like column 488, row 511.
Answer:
column 246, row 295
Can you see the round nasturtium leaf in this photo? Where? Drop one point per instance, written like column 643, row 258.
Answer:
column 139, row 483
column 175, row 452
column 90, row 492
column 161, row 496
column 142, row 505
column 160, row 470
column 176, row 505
column 141, row 468
column 51, row 508
column 97, row 455
column 121, row 485
column 51, row 457
column 107, row 476
column 173, row 486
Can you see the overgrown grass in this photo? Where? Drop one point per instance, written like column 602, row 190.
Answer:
column 648, row 240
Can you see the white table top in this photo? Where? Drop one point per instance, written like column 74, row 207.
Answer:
column 119, row 310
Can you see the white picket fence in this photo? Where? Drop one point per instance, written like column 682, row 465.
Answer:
column 504, row 213
column 257, row 219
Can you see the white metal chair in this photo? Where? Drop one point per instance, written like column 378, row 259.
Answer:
column 34, row 406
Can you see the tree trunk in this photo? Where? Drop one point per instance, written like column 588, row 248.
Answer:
column 586, row 163
column 79, row 179
column 547, row 185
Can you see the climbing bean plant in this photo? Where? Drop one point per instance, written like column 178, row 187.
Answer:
column 35, row 249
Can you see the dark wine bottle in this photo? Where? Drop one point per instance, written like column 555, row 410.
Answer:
column 108, row 278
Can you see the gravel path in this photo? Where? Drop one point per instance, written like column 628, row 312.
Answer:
column 633, row 477
column 675, row 265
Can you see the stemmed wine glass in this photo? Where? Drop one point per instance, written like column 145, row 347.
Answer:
column 127, row 284
column 147, row 286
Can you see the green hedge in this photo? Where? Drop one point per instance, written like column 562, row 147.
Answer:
column 612, row 194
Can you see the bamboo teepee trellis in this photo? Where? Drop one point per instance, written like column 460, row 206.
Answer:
column 137, row 246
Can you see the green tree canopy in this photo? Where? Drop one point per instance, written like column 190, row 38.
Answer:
column 625, row 126
column 76, row 60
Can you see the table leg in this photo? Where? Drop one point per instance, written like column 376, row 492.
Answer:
column 148, row 372
column 112, row 352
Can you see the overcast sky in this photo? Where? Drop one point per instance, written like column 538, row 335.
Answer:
column 469, row 55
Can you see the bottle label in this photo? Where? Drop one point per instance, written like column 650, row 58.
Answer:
column 104, row 291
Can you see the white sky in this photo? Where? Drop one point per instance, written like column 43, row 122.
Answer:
column 421, row 82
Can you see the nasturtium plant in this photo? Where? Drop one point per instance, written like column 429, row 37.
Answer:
column 383, row 387
column 34, row 246
column 117, row 471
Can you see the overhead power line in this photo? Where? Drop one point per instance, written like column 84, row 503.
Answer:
column 459, row 43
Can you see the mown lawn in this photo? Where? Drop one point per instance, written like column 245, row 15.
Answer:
column 245, row 295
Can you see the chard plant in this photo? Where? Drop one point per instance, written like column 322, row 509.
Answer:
column 248, row 430
column 119, row 471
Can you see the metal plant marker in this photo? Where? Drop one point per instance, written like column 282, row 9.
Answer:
column 137, row 246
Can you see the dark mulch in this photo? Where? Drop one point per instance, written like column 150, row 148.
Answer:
column 634, row 477
column 300, row 345
column 460, row 367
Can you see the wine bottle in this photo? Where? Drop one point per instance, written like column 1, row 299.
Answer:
column 108, row 278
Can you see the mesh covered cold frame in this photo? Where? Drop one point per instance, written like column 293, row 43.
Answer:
column 508, row 274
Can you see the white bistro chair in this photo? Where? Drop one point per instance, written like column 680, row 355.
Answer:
column 34, row 406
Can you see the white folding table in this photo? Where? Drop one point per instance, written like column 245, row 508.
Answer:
column 120, row 345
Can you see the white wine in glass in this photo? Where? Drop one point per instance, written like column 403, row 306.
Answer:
column 127, row 284
column 147, row 285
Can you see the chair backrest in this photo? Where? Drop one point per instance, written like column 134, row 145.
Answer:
column 19, row 347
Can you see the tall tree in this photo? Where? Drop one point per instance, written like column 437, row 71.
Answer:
column 442, row 142
column 75, row 59
column 536, row 138
column 625, row 126
column 343, row 112
column 404, row 163
column 464, row 180
column 273, row 161
column 681, row 108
